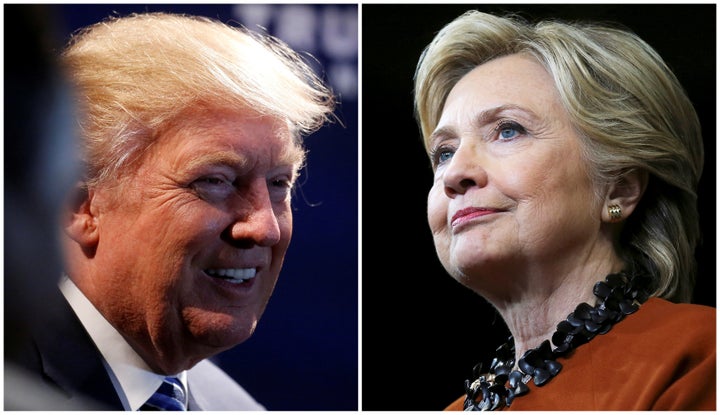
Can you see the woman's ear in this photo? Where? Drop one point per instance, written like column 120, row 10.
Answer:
column 80, row 220
column 624, row 195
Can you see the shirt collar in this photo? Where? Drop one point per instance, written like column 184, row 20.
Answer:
column 133, row 379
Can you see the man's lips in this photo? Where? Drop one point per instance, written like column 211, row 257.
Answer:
column 233, row 275
column 466, row 214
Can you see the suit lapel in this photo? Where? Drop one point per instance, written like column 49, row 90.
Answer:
column 70, row 359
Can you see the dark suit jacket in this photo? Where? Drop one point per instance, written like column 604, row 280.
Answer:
column 61, row 354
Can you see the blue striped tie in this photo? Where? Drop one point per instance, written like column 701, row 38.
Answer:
column 170, row 396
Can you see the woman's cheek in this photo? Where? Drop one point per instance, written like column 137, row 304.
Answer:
column 437, row 210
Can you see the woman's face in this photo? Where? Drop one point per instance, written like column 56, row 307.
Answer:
column 511, row 189
column 192, row 245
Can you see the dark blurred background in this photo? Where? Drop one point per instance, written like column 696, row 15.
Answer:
column 422, row 332
column 304, row 354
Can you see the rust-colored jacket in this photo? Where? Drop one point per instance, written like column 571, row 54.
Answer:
column 662, row 357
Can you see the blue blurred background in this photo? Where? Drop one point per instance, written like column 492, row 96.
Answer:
column 304, row 354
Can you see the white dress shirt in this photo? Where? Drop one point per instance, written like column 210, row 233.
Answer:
column 131, row 376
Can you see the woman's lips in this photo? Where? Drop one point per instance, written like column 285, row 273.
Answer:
column 464, row 215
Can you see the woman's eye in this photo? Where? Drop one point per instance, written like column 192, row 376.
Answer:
column 444, row 156
column 509, row 130
column 441, row 155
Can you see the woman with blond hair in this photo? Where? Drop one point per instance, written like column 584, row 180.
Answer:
column 566, row 161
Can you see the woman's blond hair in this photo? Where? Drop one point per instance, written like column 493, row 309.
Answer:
column 626, row 105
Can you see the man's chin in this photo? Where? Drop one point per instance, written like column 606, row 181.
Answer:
column 221, row 331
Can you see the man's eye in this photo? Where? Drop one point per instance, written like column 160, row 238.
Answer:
column 282, row 183
column 214, row 181
column 213, row 187
column 280, row 188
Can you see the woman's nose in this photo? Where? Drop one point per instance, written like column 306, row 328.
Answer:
column 464, row 170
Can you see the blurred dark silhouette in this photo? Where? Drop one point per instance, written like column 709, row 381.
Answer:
column 40, row 166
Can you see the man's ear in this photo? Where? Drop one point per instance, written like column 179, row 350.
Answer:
column 80, row 219
column 624, row 195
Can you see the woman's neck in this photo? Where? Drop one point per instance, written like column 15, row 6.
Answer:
column 533, row 314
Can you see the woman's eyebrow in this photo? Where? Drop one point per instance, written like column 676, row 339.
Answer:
column 492, row 114
column 481, row 119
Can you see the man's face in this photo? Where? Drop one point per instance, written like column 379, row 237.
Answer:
column 191, row 245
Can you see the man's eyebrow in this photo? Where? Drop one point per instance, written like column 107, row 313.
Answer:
column 291, row 157
column 219, row 158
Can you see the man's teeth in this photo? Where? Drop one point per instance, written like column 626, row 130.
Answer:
column 234, row 275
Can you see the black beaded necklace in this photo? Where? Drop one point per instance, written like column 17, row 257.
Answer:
column 619, row 295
